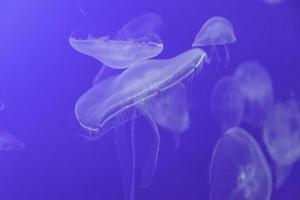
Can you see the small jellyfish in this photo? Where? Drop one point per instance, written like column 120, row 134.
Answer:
column 282, row 136
column 8, row 142
column 146, row 89
column 216, row 31
column 136, row 41
column 256, row 87
column 238, row 169
column 227, row 103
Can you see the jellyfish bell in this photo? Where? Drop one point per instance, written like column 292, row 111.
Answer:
column 136, row 41
column 282, row 136
column 227, row 103
column 216, row 31
column 256, row 87
column 119, row 99
column 238, row 168
column 8, row 142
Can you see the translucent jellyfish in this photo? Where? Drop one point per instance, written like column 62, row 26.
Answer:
column 8, row 142
column 110, row 103
column 239, row 169
column 2, row 106
column 256, row 86
column 214, row 32
column 227, row 103
column 282, row 136
column 136, row 41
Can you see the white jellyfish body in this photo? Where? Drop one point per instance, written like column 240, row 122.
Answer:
column 256, row 87
column 214, row 32
column 227, row 103
column 282, row 136
column 136, row 41
column 2, row 105
column 238, row 169
column 147, row 88
column 8, row 142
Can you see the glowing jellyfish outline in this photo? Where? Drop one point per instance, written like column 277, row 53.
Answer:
column 128, row 47
column 216, row 31
column 282, row 127
column 249, row 76
column 9, row 142
column 238, row 139
column 227, row 103
column 135, row 86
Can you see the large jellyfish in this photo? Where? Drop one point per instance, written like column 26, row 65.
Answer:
column 282, row 137
column 227, row 103
column 8, row 142
column 238, row 169
column 136, row 41
column 256, row 87
column 148, row 88
column 214, row 32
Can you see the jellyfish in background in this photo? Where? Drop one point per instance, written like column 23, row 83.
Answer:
column 238, row 168
column 256, row 87
column 136, row 41
column 216, row 31
column 8, row 142
column 227, row 103
column 282, row 137
column 274, row 2
column 147, row 89
column 1, row 106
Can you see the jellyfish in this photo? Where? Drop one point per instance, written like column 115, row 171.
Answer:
column 136, row 41
column 282, row 137
column 216, row 31
column 274, row 2
column 227, row 103
column 256, row 87
column 2, row 106
column 8, row 142
column 238, row 168
column 105, row 72
column 146, row 89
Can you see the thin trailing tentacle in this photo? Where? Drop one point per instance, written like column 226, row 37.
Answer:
column 151, row 162
column 125, row 147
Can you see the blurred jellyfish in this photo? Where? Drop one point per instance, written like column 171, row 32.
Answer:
column 227, row 103
column 282, row 137
column 256, row 87
column 173, row 115
column 8, row 142
column 274, row 2
column 2, row 106
column 149, row 89
column 214, row 32
column 238, row 169
column 136, row 41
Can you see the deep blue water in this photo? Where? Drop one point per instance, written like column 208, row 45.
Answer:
column 41, row 77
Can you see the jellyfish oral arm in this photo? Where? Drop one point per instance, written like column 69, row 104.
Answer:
column 125, row 147
column 151, row 163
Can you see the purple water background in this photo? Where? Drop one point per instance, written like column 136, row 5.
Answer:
column 41, row 77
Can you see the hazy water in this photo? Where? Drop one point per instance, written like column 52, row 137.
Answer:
column 41, row 77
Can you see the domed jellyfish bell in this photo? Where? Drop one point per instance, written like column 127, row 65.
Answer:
column 8, row 142
column 216, row 31
column 146, row 89
column 136, row 41
column 227, row 103
column 256, row 87
column 238, row 169
column 282, row 137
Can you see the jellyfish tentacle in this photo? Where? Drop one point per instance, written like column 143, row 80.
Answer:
column 151, row 163
column 125, row 147
column 227, row 55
